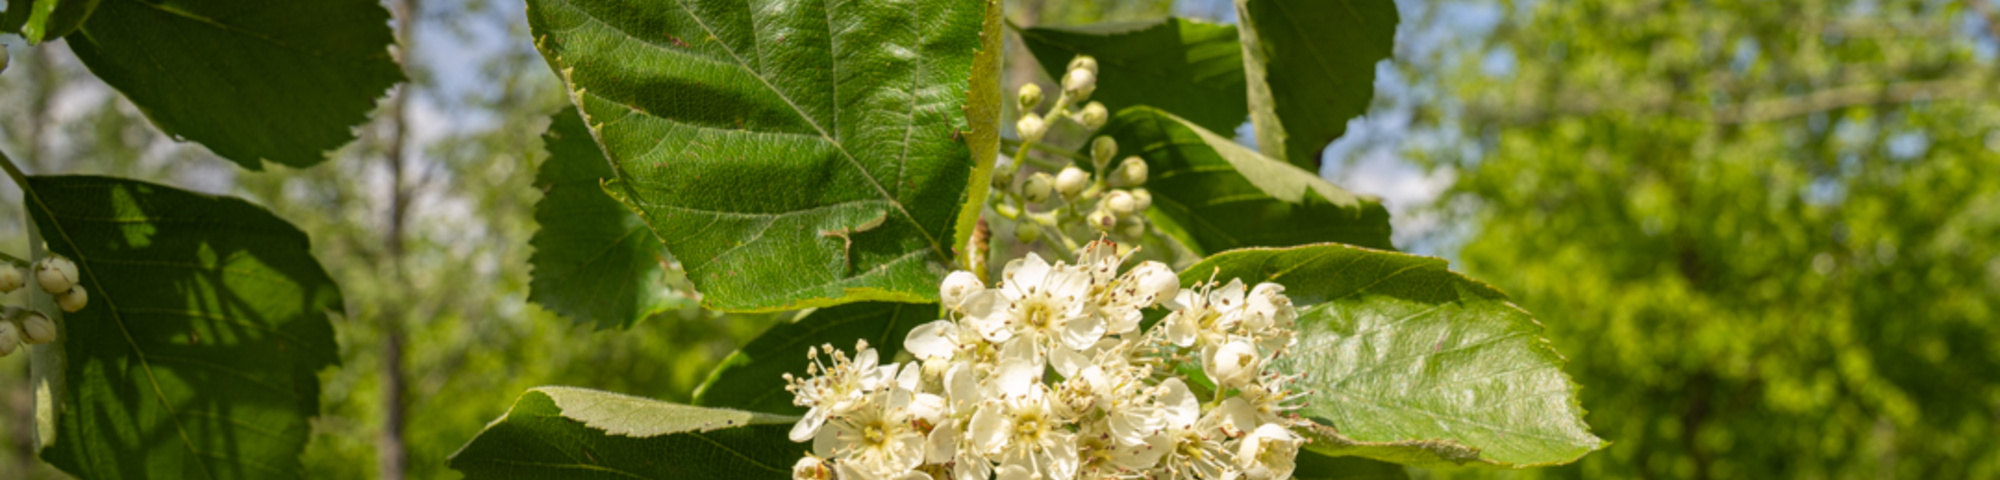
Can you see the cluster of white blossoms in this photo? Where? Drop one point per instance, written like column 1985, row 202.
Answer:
column 57, row 276
column 1048, row 376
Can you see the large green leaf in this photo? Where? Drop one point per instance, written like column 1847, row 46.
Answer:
column 594, row 260
column 1225, row 196
column 1311, row 68
column 1414, row 364
column 39, row 20
column 564, row 432
column 753, row 377
column 790, row 156
column 207, row 322
column 1191, row 68
column 250, row 79
column 983, row 99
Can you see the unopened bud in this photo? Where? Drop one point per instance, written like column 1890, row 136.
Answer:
column 1003, row 173
column 958, row 286
column 1079, row 84
column 1071, row 182
column 1141, row 199
column 1103, row 221
column 1027, row 232
column 1101, row 151
column 72, row 300
column 1031, row 127
column 36, row 329
column 1131, row 172
column 1093, row 116
column 1132, row 227
column 1119, row 202
column 56, row 274
column 1037, row 188
column 11, row 278
column 1031, row 97
column 1083, row 62
column 812, row 468
column 10, row 339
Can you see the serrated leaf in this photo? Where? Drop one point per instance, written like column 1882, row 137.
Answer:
column 752, row 378
column 42, row 20
column 252, row 80
column 1225, row 196
column 594, row 260
column 983, row 99
column 197, row 354
column 803, row 154
column 1414, row 364
column 565, row 432
column 1191, row 68
column 1311, row 68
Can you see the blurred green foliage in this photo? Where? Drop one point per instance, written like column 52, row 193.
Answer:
column 1763, row 232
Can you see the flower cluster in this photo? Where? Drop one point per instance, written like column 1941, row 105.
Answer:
column 1048, row 375
column 57, row 276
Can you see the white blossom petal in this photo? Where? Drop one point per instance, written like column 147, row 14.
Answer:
column 937, row 339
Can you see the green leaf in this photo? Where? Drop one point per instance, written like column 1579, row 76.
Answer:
column 983, row 100
column 250, row 79
column 40, row 20
column 564, row 432
column 789, row 157
column 1191, row 68
column 753, row 377
column 1225, row 196
column 1318, row 466
column 594, row 260
column 1311, row 68
column 1414, row 364
column 197, row 353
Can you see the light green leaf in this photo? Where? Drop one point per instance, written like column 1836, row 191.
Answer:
column 1414, row 364
column 1225, row 196
column 982, row 112
column 40, row 20
column 753, row 377
column 564, row 432
column 790, row 157
column 197, row 353
column 1311, row 68
column 1318, row 466
column 1191, row 68
column 250, row 79
column 594, row 260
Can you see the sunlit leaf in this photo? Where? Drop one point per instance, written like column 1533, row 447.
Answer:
column 564, row 432
column 594, row 260
column 1191, row 68
column 1311, row 68
column 753, row 377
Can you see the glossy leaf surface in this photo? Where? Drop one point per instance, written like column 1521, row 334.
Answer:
column 1191, row 68
column 594, row 260
column 804, row 154
column 1311, row 68
column 565, row 432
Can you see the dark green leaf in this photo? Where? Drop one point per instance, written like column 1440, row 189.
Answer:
column 983, row 99
column 40, row 20
column 1311, row 65
column 250, row 79
column 1414, row 364
column 753, row 377
column 564, row 432
column 594, row 260
column 1193, row 69
column 1226, row 196
column 789, row 157
column 197, row 353
column 1318, row 466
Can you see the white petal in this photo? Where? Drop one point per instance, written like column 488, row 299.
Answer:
column 866, row 359
column 827, row 441
column 1181, row 329
column 910, row 377
column 907, row 450
column 1060, row 448
column 808, row 425
column 1143, row 458
column 943, row 443
column 1235, row 416
column 958, row 286
column 1229, row 297
column 913, row 475
column 971, row 466
column 990, row 428
column 1014, row 471
column 928, row 407
column 962, row 386
column 1016, row 377
column 1178, row 404
column 1067, row 362
column 1131, row 425
column 986, row 312
column 937, row 339
column 1082, row 332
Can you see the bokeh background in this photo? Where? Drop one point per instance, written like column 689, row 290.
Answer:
column 1766, row 233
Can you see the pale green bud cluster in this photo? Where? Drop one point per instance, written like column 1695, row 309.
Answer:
column 1107, row 200
column 55, row 275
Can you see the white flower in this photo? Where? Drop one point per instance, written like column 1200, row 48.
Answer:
column 835, row 389
column 811, row 467
column 1024, row 433
column 1102, row 457
column 1269, row 453
column 1235, row 363
column 1196, row 448
column 877, row 440
column 958, row 286
column 1037, row 303
column 1207, row 315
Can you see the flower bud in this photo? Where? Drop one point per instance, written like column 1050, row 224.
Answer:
column 1071, row 181
column 10, row 339
column 1119, row 202
column 56, row 274
column 1235, row 363
column 1027, row 232
column 1079, row 84
column 1101, row 151
column 1131, row 172
column 1083, row 62
column 1031, row 127
column 72, row 300
column 812, row 468
column 1156, row 280
column 1141, row 199
column 1037, row 188
column 37, row 329
column 11, row 278
column 1103, row 221
column 1031, row 97
column 957, row 286
column 1003, row 173
column 1093, row 116
column 1132, row 226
